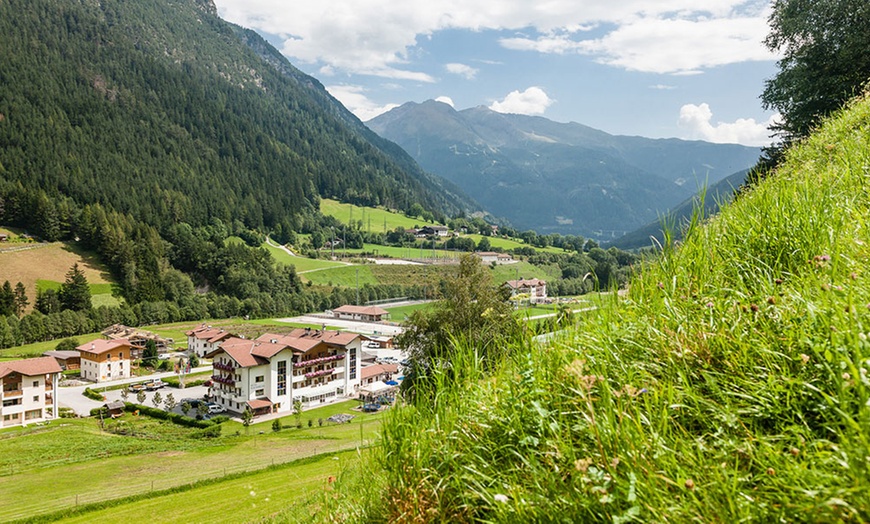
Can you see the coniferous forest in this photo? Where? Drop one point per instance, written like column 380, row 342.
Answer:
column 150, row 131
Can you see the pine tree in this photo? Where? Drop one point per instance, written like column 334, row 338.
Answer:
column 20, row 299
column 7, row 300
column 74, row 292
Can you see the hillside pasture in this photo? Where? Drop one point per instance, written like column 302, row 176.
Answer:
column 49, row 263
column 302, row 264
column 374, row 219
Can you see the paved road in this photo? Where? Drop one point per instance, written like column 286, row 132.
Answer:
column 366, row 328
column 72, row 397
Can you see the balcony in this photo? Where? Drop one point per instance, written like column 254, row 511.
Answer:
column 223, row 380
column 12, row 393
column 315, row 361
column 223, row 367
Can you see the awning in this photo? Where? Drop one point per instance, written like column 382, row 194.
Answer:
column 391, row 383
column 259, row 404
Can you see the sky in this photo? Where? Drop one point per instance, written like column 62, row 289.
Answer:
column 654, row 68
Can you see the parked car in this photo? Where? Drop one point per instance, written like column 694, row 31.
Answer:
column 164, row 356
column 215, row 408
column 135, row 388
column 155, row 385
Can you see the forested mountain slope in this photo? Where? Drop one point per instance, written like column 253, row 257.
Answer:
column 160, row 109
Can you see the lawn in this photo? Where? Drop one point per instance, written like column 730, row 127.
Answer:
column 248, row 498
column 506, row 243
column 522, row 269
column 344, row 276
column 374, row 219
column 38, row 348
column 398, row 313
column 161, row 456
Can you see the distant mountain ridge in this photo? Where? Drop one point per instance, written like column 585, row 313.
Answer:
column 555, row 177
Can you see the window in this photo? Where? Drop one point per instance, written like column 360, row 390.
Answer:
column 260, row 392
column 36, row 383
column 259, row 379
column 36, row 398
column 282, row 377
column 352, row 374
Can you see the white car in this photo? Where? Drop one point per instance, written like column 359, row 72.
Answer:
column 164, row 356
column 215, row 408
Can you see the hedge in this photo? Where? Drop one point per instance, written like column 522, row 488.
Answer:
column 93, row 395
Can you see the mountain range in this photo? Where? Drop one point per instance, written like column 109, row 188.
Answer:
column 558, row 177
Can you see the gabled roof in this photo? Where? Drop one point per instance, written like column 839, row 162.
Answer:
column 259, row 403
column 361, row 310
column 242, row 351
column 333, row 338
column 100, row 346
column 378, row 369
column 30, row 367
column 208, row 334
column 525, row 283
column 62, row 354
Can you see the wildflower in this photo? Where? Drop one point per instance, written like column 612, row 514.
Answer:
column 771, row 300
column 805, row 358
column 660, row 285
column 853, row 275
column 847, row 376
column 771, row 471
column 690, row 484
column 794, row 451
column 582, row 464
column 500, row 498
column 710, row 304
column 614, row 462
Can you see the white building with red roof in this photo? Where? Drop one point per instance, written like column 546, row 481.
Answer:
column 29, row 390
column 105, row 360
column 272, row 372
column 360, row 313
column 534, row 287
column 205, row 339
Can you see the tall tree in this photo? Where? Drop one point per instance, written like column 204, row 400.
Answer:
column 74, row 292
column 20, row 299
column 824, row 60
column 7, row 300
column 47, row 301
column 473, row 311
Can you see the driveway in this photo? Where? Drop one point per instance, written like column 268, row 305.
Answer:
column 72, row 397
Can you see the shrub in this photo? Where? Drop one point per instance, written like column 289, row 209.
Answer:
column 276, row 425
column 93, row 395
column 212, row 431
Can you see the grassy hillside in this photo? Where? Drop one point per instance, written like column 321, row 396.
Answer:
column 730, row 384
column 373, row 218
column 44, row 266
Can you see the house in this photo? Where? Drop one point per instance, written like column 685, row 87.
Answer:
column 66, row 359
column 105, row 360
column 360, row 313
column 378, row 341
column 488, row 257
column 535, row 288
column 138, row 338
column 205, row 339
column 377, row 373
column 438, row 231
column 272, row 372
column 29, row 390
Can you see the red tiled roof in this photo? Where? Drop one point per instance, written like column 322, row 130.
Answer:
column 30, row 367
column 525, row 282
column 100, row 346
column 333, row 338
column 207, row 333
column 362, row 310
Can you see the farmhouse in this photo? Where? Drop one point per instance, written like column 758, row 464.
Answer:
column 360, row 313
column 272, row 372
column 105, row 360
column 536, row 289
column 137, row 338
column 29, row 390
column 205, row 339
column 488, row 257
column 439, row 231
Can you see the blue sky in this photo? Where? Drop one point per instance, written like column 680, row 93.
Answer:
column 655, row 68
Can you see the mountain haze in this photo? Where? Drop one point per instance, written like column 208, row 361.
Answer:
column 555, row 177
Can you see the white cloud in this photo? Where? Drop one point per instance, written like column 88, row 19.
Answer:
column 380, row 37
column 696, row 120
column 663, row 45
column 662, row 87
column 532, row 101
column 354, row 99
column 445, row 100
column 462, row 70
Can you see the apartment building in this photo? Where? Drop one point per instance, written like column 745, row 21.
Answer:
column 205, row 339
column 269, row 374
column 29, row 390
